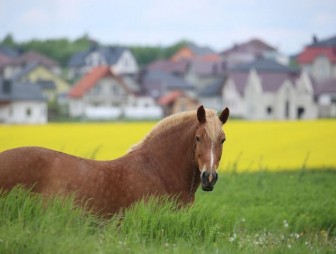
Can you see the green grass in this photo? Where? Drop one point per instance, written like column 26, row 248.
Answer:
column 284, row 212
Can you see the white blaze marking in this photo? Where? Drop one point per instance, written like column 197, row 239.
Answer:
column 211, row 156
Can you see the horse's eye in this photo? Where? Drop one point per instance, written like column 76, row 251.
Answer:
column 198, row 139
column 222, row 141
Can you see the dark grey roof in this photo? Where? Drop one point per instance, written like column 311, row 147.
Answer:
column 111, row 55
column 330, row 42
column 265, row 65
column 27, row 69
column 213, row 89
column 20, row 91
column 46, row 84
column 161, row 82
column 9, row 52
column 200, row 51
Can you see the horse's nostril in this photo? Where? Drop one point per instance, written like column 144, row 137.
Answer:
column 216, row 176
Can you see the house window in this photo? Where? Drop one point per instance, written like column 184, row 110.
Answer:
column 96, row 90
column 287, row 109
column 28, row 112
column 300, row 112
column 269, row 110
column 115, row 90
column 43, row 112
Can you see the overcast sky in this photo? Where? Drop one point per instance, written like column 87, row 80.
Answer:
column 285, row 24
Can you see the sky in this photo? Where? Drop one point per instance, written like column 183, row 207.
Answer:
column 287, row 25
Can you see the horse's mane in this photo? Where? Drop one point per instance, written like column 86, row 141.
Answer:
column 213, row 125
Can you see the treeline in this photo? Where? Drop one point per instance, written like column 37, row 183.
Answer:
column 62, row 49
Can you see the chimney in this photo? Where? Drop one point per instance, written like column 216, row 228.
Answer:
column 6, row 86
column 315, row 40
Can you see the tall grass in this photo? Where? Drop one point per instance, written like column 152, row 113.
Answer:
column 285, row 212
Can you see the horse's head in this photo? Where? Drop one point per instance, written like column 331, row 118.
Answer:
column 209, row 141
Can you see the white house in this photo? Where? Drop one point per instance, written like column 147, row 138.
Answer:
column 319, row 59
column 119, row 59
column 284, row 98
column 101, row 94
column 22, row 103
column 264, row 89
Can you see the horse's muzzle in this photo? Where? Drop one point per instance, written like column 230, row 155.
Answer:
column 208, row 180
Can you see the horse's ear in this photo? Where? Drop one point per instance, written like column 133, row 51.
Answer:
column 201, row 114
column 224, row 115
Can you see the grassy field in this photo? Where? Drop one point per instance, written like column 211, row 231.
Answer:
column 250, row 146
column 263, row 212
column 256, row 206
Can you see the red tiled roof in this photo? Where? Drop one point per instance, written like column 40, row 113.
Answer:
column 309, row 54
column 170, row 97
column 90, row 80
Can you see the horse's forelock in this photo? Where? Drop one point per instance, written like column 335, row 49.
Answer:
column 213, row 125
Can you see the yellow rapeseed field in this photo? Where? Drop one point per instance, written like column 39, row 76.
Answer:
column 250, row 146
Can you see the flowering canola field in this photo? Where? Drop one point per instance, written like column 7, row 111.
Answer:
column 250, row 146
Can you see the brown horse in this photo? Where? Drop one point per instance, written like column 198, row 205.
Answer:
column 181, row 152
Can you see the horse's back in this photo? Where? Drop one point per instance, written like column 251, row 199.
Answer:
column 25, row 166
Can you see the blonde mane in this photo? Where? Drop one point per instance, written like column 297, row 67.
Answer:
column 213, row 126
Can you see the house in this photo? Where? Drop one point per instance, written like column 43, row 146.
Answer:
column 189, row 51
column 319, row 59
column 22, row 103
column 9, row 52
column 15, row 65
column 204, row 70
column 250, row 51
column 177, row 101
column 33, row 57
column 265, row 89
column 157, row 83
column 212, row 95
column 101, row 94
column 52, row 85
column 326, row 97
column 178, row 68
column 120, row 59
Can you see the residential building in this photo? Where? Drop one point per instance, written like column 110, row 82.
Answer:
column 326, row 98
column 263, row 89
column 22, row 103
column 101, row 94
column 191, row 50
column 250, row 51
column 177, row 101
column 52, row 85
column 319, row 59
column 157, row 83
column 119, row 59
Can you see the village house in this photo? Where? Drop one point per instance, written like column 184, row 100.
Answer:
column 101, row 94
column 13, row 65
column 319, row 59
column 250, row 51
column 191, row 50
column 158, row 83
column 198, row 66
column 263, row 89
column 119, row 59
column 177, row 101
column 52, row 85
column 22, row 103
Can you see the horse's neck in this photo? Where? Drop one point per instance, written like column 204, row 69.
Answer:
column 172, row 154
